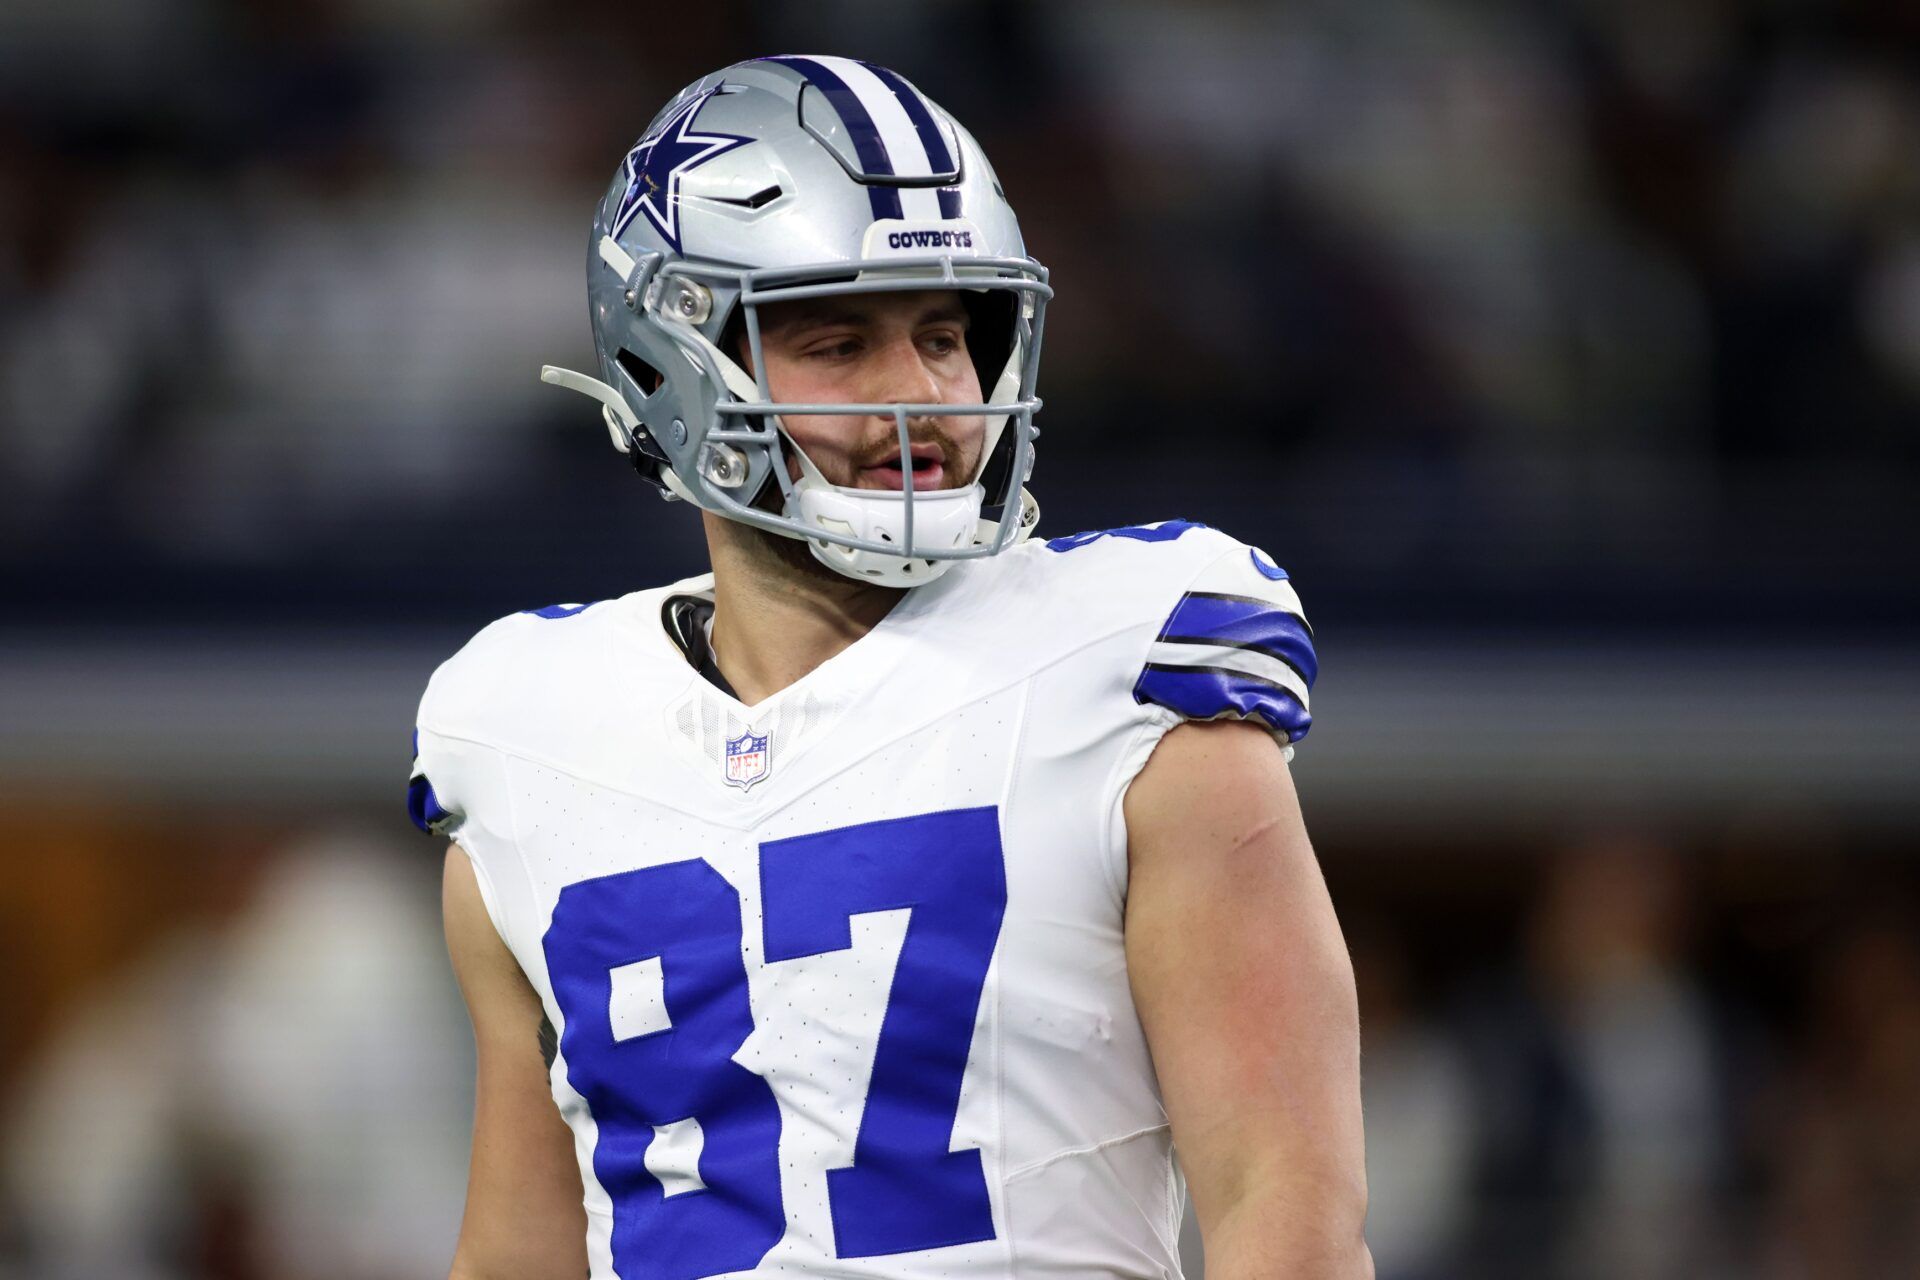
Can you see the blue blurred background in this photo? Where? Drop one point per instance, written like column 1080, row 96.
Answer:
column 1567, row 354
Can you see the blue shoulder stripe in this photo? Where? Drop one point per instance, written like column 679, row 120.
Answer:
column 1166, row 531
column 1244, row 622
column 561, row 610
column 423, row 806
column 1201, row 693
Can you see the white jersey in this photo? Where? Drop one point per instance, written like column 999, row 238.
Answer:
column 839, row 978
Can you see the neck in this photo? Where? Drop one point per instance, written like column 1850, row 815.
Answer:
column 777, row 612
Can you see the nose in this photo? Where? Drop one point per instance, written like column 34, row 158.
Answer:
column 903, row 375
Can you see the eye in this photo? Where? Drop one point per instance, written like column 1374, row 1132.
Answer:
column 836, row 349
column 944, row 342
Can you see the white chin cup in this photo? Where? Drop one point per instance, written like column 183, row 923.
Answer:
column 943, row 519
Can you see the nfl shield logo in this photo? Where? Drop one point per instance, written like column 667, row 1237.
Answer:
column 747, row 759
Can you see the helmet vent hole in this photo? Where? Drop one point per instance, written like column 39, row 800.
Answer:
column 644, row 375
column 759, row 199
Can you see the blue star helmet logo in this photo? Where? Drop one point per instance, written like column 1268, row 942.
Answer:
column 654, row 167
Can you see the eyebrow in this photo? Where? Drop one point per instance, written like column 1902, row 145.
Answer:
column 820, row 315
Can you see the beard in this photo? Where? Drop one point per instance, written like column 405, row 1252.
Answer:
column 959, row 459
column 794, row 556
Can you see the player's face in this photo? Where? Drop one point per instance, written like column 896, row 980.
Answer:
column 881, row 348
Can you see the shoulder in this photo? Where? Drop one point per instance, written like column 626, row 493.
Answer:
column 1218, row 629
column 526, row 683
column 545, row 657
column 1138, row 574
column 507, row 652
column 1149, row 558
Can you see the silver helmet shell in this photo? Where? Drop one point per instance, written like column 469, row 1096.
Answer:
column 802, row 177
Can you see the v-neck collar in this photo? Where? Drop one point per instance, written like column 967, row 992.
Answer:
column 688, row 622
column 823, row 679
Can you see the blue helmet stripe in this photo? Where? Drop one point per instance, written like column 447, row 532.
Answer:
column 1244, row 622
column 939, row 159
column 1201, row 693
column 949, row 202
column 864, row 134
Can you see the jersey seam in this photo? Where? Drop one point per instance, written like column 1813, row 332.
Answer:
column 535, row 758
column 483, row 881
column 458, row 834
column 513, row 825
column 559, row 1069
column 999, row 987
column 1113, row 796
column 1087, row 1150
column 763, row 815
column 1026, row 679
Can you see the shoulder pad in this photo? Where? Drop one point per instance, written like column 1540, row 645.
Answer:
column 1235, row 644
column 464, row 693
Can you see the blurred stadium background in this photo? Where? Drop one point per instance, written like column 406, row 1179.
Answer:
column 1568, row 354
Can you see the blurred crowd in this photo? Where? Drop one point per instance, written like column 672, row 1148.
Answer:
column 1618, row 1056
column 1645, row 1060
column 1513, row 295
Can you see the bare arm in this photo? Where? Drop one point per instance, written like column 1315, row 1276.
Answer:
column 524, row 1219
column 1246, row 992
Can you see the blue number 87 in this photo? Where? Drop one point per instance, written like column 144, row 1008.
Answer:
column 904, row 1190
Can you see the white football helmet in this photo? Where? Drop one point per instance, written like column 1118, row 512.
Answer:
column 803, row 177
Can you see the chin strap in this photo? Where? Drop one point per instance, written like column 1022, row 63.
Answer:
column 622, row 426
column 1029, row 519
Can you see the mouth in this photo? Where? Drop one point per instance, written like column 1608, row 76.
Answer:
column 924, row 462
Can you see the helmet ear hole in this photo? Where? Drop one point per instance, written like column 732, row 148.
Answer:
column 733, row 340
column 644, row 375
column 647, row 455
column 990, row 319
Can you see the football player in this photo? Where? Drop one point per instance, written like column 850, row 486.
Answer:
column 898, row 898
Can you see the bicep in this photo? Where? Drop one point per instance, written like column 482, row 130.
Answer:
column 523, row 1215
column 1242, row 979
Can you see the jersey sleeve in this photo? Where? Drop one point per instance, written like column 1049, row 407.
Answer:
column 429, row 812
column 455, row 788
column 1235, row 645
column 452, row 768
